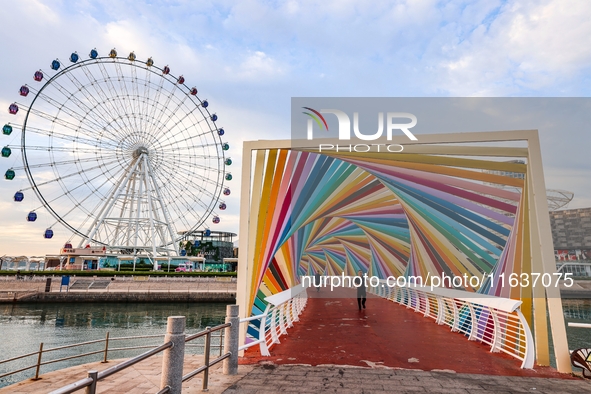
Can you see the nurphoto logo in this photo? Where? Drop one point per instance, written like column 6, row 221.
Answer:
column 392, row 123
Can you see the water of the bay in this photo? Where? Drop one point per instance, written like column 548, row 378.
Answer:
column 24, row 326
column 577, row 311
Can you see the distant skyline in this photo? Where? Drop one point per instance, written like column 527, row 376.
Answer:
column 249, row 58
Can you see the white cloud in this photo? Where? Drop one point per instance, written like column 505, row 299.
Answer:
column 528, row 45
column 256, row 66
column 248, row 58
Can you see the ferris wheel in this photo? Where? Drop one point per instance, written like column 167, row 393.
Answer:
column 120, row 151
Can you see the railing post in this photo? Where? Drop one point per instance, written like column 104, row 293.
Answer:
column 440, row 310
column 427, row 307
column 38, row 362
column 173, row 358
column 456, row 324
column 262, row 337
column 496, row 331
column 282, row 320
column 274, row 326
column 206, row 355
column 529, row 356
column 473, row 323
column 106, row 348
column 230, row 366
column 288, row 314
column 92, row 388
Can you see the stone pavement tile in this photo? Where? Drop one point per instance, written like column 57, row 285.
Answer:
column 363, row 380
column 505, row 387
column 413, row 372
column 401, row 378
column 410, row 389
column 233, row 390
column 441, row 390
column 356, row 385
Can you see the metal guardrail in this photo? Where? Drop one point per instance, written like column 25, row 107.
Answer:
column 495, row 321
column 577, row 269
column 579, row 325
column 205, row 368
column 105, row 352
column 90, row 382
column 283, row 309
column 95, row 376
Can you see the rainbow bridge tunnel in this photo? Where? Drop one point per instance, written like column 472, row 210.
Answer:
column 456, row 204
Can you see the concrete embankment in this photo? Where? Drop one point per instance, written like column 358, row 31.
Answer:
column 120, row 290
column 580, row 289
column 197, row 296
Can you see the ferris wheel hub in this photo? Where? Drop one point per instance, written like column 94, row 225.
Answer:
column 142, row 150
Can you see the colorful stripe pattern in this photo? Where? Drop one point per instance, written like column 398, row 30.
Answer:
column 387, row 214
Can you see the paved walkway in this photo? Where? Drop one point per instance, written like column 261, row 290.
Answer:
column 269, row 379
column 142, row 378
column 334, row 331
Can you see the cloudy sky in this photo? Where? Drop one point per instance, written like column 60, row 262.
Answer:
column 250, row 57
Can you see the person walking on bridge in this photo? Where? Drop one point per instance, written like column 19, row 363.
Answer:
column 317, row 280
column 361, row 291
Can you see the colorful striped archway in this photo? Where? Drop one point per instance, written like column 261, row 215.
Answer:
column 449, row 204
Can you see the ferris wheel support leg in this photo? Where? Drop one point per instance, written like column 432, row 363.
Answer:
column 107, row 208
column 92, row 226
column 150, row 204
column 127, row 190
column 138, row 210
column 164, row 209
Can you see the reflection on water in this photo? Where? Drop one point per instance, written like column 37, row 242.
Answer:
column 24, row 326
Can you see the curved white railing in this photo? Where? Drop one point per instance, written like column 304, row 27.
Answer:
column 283, row 309
column 495, row 321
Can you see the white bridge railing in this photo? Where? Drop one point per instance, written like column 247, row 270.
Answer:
column 494, row 321
column 283, row 309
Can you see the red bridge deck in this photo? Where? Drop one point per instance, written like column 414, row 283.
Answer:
column 334, row 331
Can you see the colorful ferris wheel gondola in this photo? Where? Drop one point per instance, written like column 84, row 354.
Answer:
column 9, row 174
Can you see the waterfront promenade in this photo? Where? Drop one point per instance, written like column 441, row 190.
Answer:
column 142, row 378
column 336, row 348
column 269, row 378
column 15, row 290
column 122, row 289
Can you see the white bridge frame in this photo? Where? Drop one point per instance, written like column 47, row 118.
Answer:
column 546, row 300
